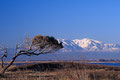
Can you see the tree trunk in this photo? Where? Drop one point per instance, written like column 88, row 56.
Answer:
column 2, row 71
column 2, row 61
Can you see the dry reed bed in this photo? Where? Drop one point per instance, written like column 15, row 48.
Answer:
column 62, row 71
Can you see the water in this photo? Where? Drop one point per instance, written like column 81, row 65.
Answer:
column 108, row 64
column 16, row 63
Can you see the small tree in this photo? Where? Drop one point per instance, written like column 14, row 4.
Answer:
column 3, row 50
column 38, row 45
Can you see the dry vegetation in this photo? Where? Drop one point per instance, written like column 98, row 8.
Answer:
column 62, row 71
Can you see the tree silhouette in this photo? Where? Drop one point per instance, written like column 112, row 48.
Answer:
column 38, row 45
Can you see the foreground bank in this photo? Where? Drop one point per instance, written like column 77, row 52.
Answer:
column 62, row 71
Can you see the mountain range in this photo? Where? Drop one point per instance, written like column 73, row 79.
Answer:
column 87, row 45
column 77, row 49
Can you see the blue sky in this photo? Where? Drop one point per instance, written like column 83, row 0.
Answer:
column 70, row 19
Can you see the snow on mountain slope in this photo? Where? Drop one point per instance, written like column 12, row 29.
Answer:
column 69, row 45
column 88, row 45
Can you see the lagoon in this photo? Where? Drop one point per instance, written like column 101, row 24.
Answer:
column 108, row 64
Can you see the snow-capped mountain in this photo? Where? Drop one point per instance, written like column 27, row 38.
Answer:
column 69, row 45
column 88, row 45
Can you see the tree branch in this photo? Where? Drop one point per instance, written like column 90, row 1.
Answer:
column 4, row 55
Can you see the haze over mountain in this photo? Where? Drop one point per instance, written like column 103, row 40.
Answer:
column 88, row 45
column 78, row 49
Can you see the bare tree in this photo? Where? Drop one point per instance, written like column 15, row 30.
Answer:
column 4, row 51
column 38, row 45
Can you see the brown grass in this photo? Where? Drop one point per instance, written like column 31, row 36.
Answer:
column 62, row 71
